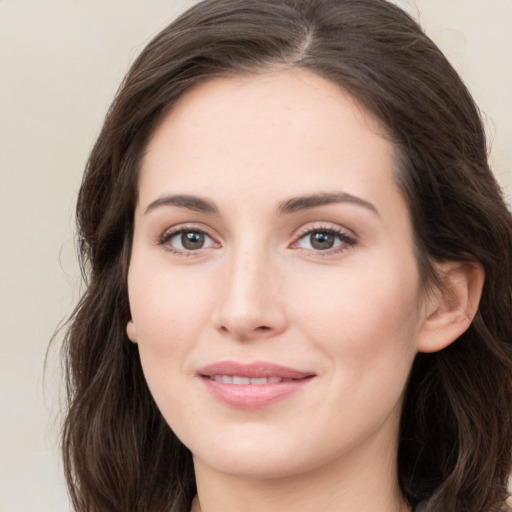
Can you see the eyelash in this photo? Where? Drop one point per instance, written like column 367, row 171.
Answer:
column 346, row 241
column 180, row 230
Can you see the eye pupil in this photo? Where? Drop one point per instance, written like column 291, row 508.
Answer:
column 192, row 240
column 322, row 240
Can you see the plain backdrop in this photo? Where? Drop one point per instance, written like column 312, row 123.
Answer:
column 60, row 64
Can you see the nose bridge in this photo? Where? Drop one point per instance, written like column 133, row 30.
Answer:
column 250, row 303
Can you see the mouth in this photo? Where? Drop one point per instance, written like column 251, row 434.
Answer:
column 272, row 373
column 239, row 380
column 254, row 385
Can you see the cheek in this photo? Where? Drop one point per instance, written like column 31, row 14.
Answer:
column 168, row 312
column 364, row 316
column 366, row 327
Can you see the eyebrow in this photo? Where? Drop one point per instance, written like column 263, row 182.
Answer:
column 289, row 206
column 324, row 198
column 195, row 203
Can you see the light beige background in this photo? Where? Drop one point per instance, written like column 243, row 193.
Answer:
column 60, row 65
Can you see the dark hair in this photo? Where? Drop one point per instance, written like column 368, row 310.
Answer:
column 455, row 447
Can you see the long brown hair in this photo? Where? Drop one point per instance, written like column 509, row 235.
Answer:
column 455, row 447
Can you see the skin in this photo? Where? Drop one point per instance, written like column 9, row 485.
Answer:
column 354, row 315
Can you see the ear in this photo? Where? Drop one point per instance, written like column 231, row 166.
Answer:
column 451, row 307
column 131, row 331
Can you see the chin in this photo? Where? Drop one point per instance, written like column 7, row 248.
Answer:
column 255, row 466
column 256, row 456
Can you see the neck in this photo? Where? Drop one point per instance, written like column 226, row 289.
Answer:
column 353, row 485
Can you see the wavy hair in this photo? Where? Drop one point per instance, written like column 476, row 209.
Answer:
column 455, row 448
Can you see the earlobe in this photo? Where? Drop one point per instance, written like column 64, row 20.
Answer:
column 452, row 306
column 131, row 331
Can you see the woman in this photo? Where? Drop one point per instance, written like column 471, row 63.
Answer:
column 298, row 274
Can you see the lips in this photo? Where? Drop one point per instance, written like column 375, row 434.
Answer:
column 254, row 385
column 240, row 380
column 252, row 370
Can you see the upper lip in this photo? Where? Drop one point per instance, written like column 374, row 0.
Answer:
column 254, row 369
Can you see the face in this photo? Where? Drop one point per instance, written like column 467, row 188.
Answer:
column 273, row 287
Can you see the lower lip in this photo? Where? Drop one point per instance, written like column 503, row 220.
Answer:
column 253, row 396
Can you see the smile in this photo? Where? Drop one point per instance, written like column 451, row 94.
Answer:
column 243, row 381
column 254, row 385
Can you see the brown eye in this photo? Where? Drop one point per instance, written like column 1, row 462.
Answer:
column 192, row 240
column 321, row 240
column 187, row 241
column 325, row 240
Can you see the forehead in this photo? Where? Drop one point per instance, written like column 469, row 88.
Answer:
column 286, row 132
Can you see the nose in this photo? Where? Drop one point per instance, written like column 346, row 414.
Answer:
column 251, row 304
